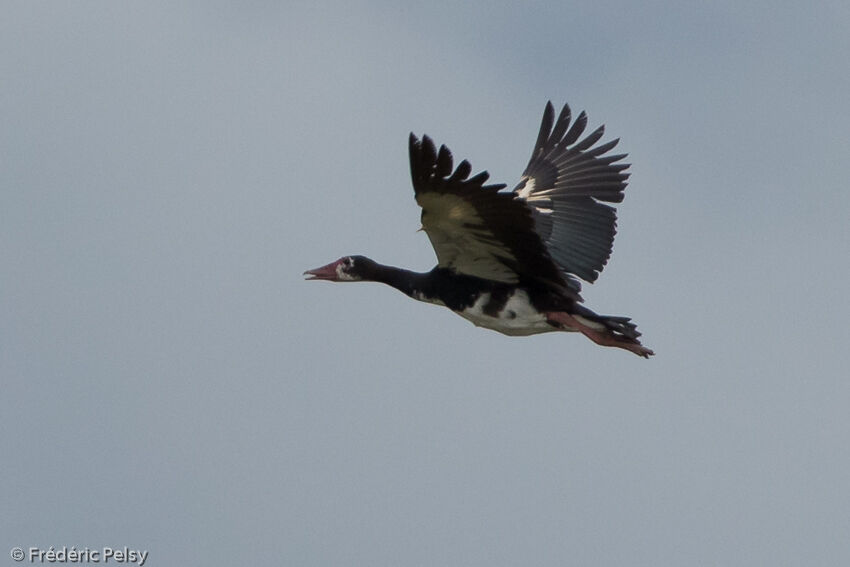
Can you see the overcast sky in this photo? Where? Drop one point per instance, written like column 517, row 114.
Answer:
column 170, row 382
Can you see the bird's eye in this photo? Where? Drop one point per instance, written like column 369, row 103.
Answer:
column 347, row 262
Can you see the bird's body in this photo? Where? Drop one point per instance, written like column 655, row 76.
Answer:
column 498, row 306
column 509, row 261
column 509, row 312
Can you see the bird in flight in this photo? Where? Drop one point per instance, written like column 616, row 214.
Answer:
column 511, row 261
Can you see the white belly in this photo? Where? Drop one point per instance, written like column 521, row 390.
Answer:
column 518, row 317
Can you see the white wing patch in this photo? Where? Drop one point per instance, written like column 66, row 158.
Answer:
column 461, row 240
column 527, row 189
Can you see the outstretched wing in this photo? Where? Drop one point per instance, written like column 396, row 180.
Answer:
column 475, row 229
column 563, row 185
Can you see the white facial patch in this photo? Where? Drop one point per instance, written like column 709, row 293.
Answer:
column 344, row 276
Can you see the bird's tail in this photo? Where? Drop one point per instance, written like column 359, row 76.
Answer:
column 619, row 329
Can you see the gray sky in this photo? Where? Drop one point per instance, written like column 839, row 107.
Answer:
column 171, row 383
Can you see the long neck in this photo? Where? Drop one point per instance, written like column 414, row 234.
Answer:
column 440, row 285
column 406, row 281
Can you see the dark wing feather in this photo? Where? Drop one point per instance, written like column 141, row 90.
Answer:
column 563, row 185
column 475, row 229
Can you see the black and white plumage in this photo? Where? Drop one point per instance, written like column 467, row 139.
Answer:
column 511, row 260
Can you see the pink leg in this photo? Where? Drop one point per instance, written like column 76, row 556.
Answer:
column 604, row 338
